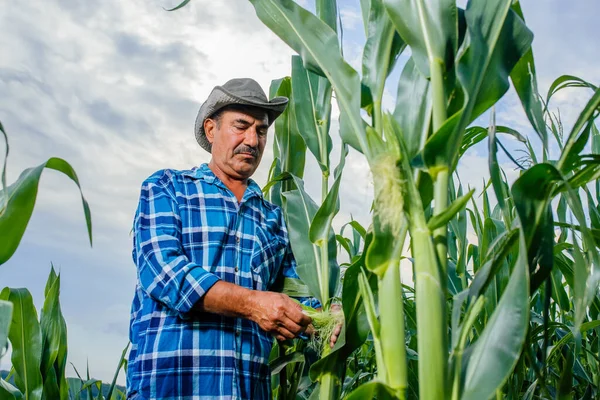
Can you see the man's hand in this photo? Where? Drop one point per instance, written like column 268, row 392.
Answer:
column 335, row 308
column 278, row 314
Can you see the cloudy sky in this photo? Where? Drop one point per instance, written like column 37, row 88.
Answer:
column 114, row 87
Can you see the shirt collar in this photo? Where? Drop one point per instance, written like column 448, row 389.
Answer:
column 203, row 172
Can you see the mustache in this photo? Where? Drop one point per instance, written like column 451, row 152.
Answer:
column 247, row 149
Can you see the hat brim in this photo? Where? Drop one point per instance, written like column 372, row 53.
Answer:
column 220, row 97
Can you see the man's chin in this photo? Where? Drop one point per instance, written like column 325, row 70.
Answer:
column 245, row 170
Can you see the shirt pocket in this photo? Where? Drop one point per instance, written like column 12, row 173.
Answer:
column 267, row 255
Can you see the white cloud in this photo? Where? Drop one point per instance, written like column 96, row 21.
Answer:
column 351, row 18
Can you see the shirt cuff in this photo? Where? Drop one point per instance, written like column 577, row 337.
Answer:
column 195, row 285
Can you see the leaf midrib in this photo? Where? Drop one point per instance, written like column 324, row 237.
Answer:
column 340, row 99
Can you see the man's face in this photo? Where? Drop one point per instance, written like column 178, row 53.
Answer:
column 238, row 141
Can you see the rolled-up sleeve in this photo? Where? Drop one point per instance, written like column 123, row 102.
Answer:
column 164, row 271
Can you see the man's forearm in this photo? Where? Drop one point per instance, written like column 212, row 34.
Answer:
column 227, row 299
column 275, row 313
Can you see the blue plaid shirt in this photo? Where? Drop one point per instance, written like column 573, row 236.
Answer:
column 189, row 232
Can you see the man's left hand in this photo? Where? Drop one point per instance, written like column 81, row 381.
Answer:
column 335, row 308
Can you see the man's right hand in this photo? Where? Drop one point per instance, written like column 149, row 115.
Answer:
column 278, row 314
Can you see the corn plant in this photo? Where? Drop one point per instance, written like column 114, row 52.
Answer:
column 39, row 350
column 18, row 200
column 478, row 322
column 39, row 347
column 461, row 64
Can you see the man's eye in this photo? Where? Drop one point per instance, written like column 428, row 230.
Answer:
column 262, row 133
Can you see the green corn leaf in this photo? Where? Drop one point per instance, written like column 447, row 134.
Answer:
column 497, row 350
column 75, row 388
column 305, row 91
column 291, row 148
column 372, row 390
column 6, row 310
column 458, row 226
column 498, row 183
column 300, row 210
column 594, row 231
column 3, row 195
column 358, row 320
column 381, row 50
column 26, row 339
column 359, row 231
column 413, row 107
column 327, row 12
column 494, row 260
column 180, row 5
column 356, row 326
column 274, row 180
column 318, row 46
column 51, row 390
column 558, row 291
column 279, row 363
column 449, row 213
column 295, row 288
column 458, row 300
column 369, row 303
column 524, row 79
column 472, row 136
column 580, row 281
column 476, row 134
column 50, row 323
column 121, row 364
column 273, row 193
column 429, row 28
column 590, row 172
column 533, row 207
column 581, row 128
column 595, row 139
column 586, row 326
column 346, row 244
column 365, row 8
column 567, row 81
column 497, row 39
column 21, row 200
column 54, row 338
column 320, row 227
column 9, row 392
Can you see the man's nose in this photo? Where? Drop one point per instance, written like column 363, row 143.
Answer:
column 251, row 138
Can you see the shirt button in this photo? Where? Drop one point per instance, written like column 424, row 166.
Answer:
column 236, row 269
column 237, row 332
column 237, row 239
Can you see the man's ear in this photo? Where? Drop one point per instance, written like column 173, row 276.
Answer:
column 209, row 129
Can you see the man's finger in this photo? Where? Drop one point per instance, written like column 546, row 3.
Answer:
column 338, row 330
column 292, row 326
column 280, row 338
column 335, row 335
column 283, row 331
column 298, row 316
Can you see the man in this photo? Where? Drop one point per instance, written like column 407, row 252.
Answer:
column 208, row 247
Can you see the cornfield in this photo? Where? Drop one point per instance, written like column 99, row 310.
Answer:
column 504, row 300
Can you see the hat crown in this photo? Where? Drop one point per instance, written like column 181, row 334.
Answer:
column 245, row 87
column 244, row 91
